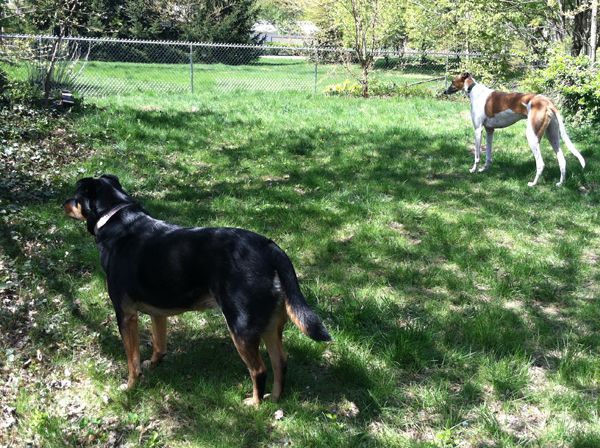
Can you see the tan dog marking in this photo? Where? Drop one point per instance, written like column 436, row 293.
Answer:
column 73, row 209
column 131, row 342
column 159, row 339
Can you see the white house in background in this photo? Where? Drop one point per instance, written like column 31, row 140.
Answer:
column 307, row 28
column 264, row 27
column 271, row 33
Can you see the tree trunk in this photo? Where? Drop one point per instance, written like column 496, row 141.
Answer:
column 581, row 29
column 49, row 74
column 561, row 28
column 593, row 29
column 365, row 80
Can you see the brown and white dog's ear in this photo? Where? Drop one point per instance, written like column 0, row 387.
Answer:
column 465, row 75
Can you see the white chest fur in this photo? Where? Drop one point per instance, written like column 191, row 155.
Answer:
column 478, row 96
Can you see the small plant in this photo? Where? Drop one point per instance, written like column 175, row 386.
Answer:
column 445, row 439
column 508, row 376
column 58, row 65
column 346, row 88
column 378, row 88
column 21, row 92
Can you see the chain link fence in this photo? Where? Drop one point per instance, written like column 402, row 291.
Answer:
column 104, row 67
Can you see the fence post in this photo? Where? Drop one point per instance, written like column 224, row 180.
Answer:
column 39, row 39
column 447, row 66
column 316, row 71
column 192, row 67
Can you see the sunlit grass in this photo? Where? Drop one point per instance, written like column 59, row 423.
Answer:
column 460, row 305
column 266, row 74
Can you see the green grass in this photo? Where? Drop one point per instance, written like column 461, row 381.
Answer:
column 267, row 74
column 462, row 306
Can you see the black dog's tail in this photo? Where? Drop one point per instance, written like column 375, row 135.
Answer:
column 297, row 308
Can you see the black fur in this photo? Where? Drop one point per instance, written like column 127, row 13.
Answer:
column 171, row 268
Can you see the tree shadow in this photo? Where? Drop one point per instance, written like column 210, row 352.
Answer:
column 423, row 259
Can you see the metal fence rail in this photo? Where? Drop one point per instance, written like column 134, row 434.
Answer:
column 106, row 66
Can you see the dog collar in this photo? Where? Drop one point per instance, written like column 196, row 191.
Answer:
column 471, row 87
column 104, row 218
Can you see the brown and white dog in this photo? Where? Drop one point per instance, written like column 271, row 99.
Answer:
column 491, row 110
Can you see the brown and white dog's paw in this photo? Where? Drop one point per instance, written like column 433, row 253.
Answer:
column 250, row 401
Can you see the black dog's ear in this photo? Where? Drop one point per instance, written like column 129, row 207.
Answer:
column 465, row 75
column 113, row 180
column 85, row 186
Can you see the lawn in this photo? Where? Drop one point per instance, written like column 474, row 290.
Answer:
column 266, row 74
column 462, row 306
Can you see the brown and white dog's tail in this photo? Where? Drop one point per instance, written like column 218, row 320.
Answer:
column 566, row 139
column 296, row 306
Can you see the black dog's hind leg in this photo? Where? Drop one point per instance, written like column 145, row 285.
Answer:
column 248, row 350
column 274, row 343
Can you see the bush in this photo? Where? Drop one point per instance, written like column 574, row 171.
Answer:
column 378, row 88
column 3, row 86
column 420, row 63
column 17, row 92
column 574, row 84
column 20, row 92
column 346, row 88
column 3, row 80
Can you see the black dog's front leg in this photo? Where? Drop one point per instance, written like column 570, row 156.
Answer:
column 128, row 326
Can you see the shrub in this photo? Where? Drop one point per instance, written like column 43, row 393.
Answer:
column 3, row 80
column 346, row 88
column 3, row 86
column 378, row 88
column 574, row 84
column 19, row 92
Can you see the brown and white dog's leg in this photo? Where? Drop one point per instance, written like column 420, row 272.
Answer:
column 159, row 341
column 478, row 132
column 489, row 139
column 534, row 144
column 131, row 341
column 553, row 134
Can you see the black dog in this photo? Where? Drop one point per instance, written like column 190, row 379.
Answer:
column 162, row 269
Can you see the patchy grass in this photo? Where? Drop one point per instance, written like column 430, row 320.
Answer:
column 462, row 306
